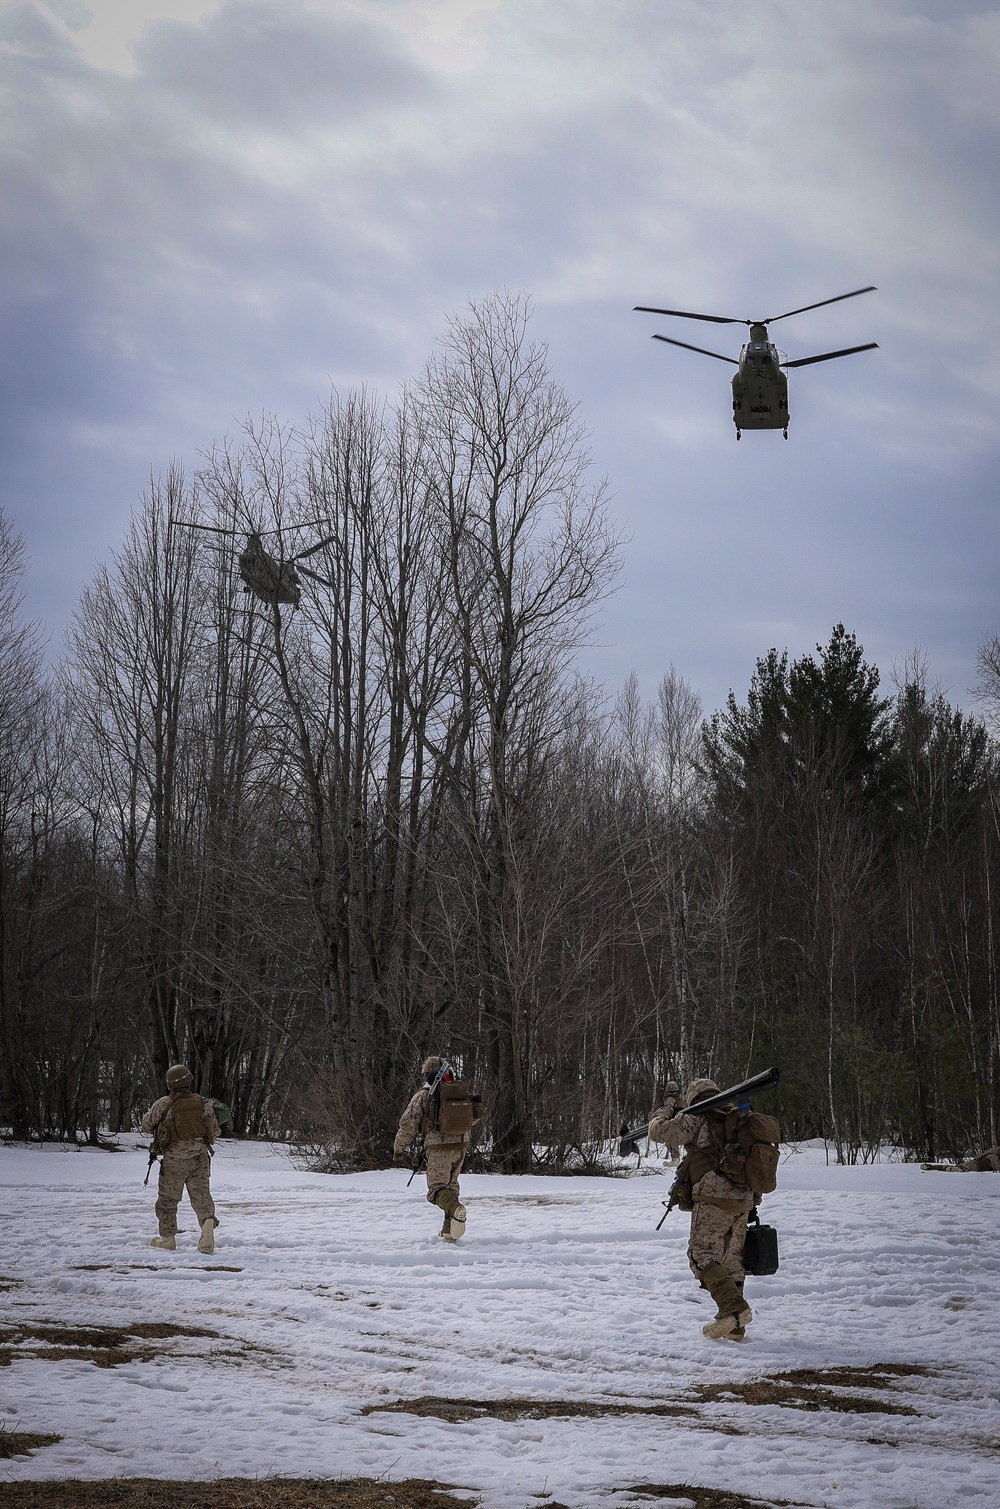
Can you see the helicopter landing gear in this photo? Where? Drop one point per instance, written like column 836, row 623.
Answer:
column 785, row 433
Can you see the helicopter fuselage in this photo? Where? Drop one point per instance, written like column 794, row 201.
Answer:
column 760, row 387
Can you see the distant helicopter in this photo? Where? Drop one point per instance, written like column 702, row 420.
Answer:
column 760, row 387
column 270, row 579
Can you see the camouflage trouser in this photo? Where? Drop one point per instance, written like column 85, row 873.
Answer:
column 176, row 1170
column 444, row 1164
column 717, row 1236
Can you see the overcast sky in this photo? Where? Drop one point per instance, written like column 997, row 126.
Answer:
column 210, row 209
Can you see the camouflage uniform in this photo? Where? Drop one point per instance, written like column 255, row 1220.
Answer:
column 444, row 1152
column 185, row 1162
column 719, row 1218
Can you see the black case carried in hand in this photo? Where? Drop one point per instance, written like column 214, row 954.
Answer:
column 760, row 1249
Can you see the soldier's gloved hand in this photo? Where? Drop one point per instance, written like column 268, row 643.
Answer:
column 671, row 1097
column 399, row 1156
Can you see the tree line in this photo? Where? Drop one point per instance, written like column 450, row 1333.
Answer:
column 298, row 847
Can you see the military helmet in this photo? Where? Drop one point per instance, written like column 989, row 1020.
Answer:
column 178, row 1075
column 430, row 1067
column 699, row 1089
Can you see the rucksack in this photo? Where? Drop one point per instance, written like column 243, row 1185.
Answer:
column 454, row 1110
column 184, row 1119
column 752, row 1152
column 745, row 1150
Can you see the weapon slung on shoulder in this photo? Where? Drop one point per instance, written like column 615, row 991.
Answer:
column 740, row 1093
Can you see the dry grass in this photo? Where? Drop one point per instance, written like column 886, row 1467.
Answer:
column 148, row 1267
column 18, row 1443
column 877, row 1375
column 457, row 1411
column 818, row 1389
column 230, row 1493
column 708, row 1498
column 797, row 1396
column 104, row 1346
column 803, row 1388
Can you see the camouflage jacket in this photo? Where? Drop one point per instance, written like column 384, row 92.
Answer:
column 412, row 1120
column 185, row 1145
column 676, row 1129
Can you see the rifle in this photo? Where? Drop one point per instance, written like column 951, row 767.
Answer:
column 740, row 1093
column 152, row 1159
column 419, row 1160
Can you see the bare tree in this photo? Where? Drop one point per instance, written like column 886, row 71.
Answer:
column 530, row 554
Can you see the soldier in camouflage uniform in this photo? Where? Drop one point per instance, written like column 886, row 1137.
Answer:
column 184, row 1126
column 444, row 1151
column 719, row 1216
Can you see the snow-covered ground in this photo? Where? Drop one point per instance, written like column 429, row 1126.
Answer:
column 332, row 1294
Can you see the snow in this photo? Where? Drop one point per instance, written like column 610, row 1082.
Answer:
column 333, row 1293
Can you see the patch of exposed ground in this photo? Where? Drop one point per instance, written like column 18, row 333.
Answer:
column 9, row 1283
column 230, row 1493
column 18, row 1443
column 105, row 1346
column 820, row 1388
column 802, row 1388
column 147, row 1268
column 457, row 1411
column 876, row 1375
column 797, row 1396
column 710, row 1498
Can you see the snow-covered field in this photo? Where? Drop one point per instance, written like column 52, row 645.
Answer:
column 332, row 1294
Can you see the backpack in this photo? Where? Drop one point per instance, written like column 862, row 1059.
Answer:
column 184, row 1119
column 745, row 1150
column 752, row 1152
column 454, row 1110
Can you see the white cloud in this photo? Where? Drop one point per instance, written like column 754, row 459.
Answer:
column 213, row 207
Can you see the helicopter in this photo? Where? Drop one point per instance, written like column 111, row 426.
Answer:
column 270, row 579
column 760, row 387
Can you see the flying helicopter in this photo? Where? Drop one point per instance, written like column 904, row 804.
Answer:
column 268, row 577
column 760, row 387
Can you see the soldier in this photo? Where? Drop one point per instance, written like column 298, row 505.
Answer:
column 719, row 1208
column 444, row 1150
column 184, row 1128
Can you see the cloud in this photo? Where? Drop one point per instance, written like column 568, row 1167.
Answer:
column 280, row 69
column 279, row 194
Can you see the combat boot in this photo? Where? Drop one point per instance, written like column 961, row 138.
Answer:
column 206, row 1242
column 454, row 1214
column 734, row 1314
column 740, row 1334
column 458, row 1222
column 170, row 1243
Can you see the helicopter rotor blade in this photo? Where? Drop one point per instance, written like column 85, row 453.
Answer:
column 313, row 548
column 731, row 359
column 212, row 528
column 788, row 313
column 263, row 534
column 316, row 577
column 685, row 314
column 828, row 356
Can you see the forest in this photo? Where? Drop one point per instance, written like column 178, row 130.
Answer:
column 300, row 846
